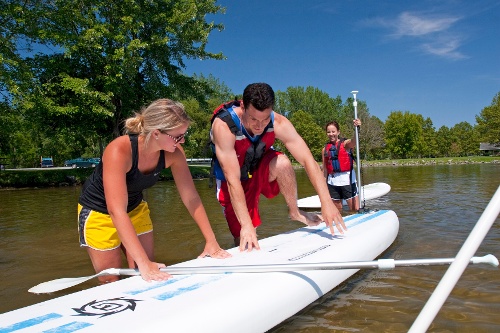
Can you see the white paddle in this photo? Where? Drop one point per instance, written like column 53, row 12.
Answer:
column 385, row 264
column 358, row 150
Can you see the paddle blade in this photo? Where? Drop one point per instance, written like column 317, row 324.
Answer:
column 64, row 283
column 57, row 284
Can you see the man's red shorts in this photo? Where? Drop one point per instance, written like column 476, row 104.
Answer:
column 253, row 187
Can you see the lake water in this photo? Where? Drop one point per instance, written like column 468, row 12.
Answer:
column 437, row 207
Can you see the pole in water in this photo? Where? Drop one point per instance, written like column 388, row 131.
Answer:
column 454, row 272
column 358, row 169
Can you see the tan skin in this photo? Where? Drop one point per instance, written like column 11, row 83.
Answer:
column 333, row 134
column 255, row 122
column 117, row 161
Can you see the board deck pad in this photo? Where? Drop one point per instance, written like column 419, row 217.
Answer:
column 217, row 302
column 370, row 191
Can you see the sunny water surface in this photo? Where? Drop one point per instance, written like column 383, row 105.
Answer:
column 437, row 207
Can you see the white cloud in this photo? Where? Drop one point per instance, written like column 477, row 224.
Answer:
column 445, row 48
column 431, row 31
column 408, row 24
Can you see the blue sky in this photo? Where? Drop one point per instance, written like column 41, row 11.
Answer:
column 440, row 59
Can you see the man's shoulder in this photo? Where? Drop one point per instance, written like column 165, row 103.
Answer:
column 281, row 121
column 221, row 130
column 279, row 118
column 237, row 110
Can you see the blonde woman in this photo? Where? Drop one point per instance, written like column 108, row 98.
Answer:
column 112, row 215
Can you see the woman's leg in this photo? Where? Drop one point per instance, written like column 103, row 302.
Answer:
column 147, row 242
column 102, row 260
column 353, row 203
column 338, row 204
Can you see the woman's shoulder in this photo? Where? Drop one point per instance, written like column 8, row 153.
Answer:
column 177, row 156
column 120, row 144
column 118, row 155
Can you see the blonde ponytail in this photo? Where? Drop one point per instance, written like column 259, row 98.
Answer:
column 162, row 114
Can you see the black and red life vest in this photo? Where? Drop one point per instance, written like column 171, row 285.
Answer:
column 337, row 158
column 248, row 149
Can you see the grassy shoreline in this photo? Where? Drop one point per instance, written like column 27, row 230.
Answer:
column 434, row 161
column 10, row 179
column 70, row 177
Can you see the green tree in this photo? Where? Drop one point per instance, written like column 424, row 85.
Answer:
column 103, row 58
column 465, row 141
column 311, row 100
column 197, row 139
column 403, row 133
column 313, row 134
column 216, row 89
column 488, row 122
column 13, row 70
column 8, row 121
column 371, row 132
column 445, row 140
column 371, row 137
column 346, row 114
column 429, row 146
column 217, row 92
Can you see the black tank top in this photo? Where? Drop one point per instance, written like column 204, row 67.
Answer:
column 92, row 195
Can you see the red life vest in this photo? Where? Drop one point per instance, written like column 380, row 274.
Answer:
column 337, row 158
column 249, row 150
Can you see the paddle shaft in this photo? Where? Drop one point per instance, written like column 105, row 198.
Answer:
column 358, row 162
column 60, row 284
column 383, row 264
column 450, row 278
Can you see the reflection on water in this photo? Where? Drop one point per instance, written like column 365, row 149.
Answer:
column 437, row 207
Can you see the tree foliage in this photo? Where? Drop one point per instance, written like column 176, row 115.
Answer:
column 71, row 71
column 88, row 64
column 429, row 145
column 488, row 122
column 313, row 135
column 403, row 131
column 371, row 137
column 197, row 142
column 464, row 140
column 311, row 100
column 445, row 138
column 216, row 91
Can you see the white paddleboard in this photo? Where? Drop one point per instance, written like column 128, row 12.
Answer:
column 243, row 302
column 370, row 191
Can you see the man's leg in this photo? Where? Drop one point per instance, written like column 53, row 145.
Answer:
column 281, row 170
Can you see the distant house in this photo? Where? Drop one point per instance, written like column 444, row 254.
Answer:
column 489, row 148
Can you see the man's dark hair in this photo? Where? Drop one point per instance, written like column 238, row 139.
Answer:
column 260, row 95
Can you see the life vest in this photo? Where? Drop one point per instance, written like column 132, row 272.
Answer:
column 249, row 150
column 337, row 158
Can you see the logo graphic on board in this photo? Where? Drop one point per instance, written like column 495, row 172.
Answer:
column 106, row 307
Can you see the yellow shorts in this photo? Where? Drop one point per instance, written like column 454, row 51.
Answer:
column 97, row 231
